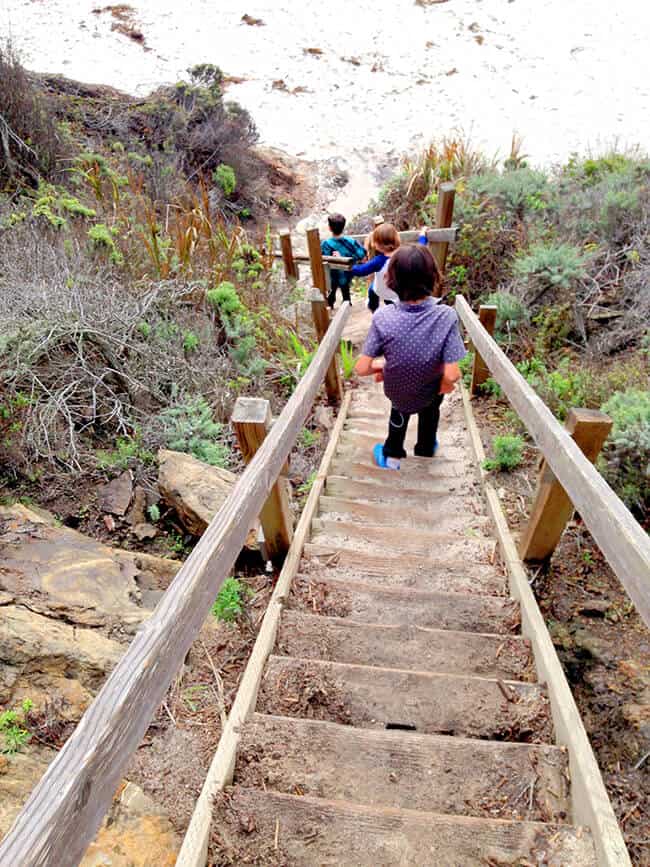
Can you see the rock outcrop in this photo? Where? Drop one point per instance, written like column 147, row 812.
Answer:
column 195, row 490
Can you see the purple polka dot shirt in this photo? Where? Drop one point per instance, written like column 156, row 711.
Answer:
column 416, row 340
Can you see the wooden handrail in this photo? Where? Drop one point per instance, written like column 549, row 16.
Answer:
column 622, row 540
column 65, row 809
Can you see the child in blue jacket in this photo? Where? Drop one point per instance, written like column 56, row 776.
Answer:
column 340, row 245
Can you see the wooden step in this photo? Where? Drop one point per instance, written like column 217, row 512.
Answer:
column 405, row 769
column 385, row 514
column 271, row 828
column 372, row 604
column 415, row 648
column 435, row 493
column 377, row 698
column 399, row 571
column 446, row 457
column 397, row 481
column 432, row 546
column 414, row 469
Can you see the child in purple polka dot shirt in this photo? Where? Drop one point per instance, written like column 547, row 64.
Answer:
column 421, row 346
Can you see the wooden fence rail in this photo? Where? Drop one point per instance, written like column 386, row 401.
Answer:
column 64, row 811
column 622, row 540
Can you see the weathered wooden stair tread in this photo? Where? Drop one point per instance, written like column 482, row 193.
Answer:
column 405, row 769
column 373, row 604
column 385, row 514
column 400, row 572
column 314, row 831
column 334, row 639
column 428, row 544
column 418, row 471
column 371, row 697
column 439, row 493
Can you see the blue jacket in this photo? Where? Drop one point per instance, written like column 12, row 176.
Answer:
column 346, row 247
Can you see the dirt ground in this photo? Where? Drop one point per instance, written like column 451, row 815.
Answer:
column 602, row 643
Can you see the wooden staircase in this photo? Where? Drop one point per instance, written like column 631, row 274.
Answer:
column 399, row 720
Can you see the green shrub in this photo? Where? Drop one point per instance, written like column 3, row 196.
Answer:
column 229, row 603
column 225, row 298
column 224, row 175
column 508, row 453
column 549, row 266
column 154, row 513
column 129, row 450
column 296, row 360
column 511, row 313
column 103, row 238
column 625, row 461
column 519, row 192
column 466, row 364
column 189, row 427
column 13, row 731
column 286, row 205
column 491, row 387
column 348, row 359
column 190, row 341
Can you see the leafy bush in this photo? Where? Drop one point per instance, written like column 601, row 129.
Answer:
column 103, row 238
column 466, row 364
column 296, row 360
column 189, row 427
column 230, row 600
column 563, row 388
column 224, row 175
column 239, row 328
column 547, row 267
column 625, row 461
column 348, row 359
column 519, row 192
column 128, row 451
column 511, row 313
column 508, row 453
column 12, row 728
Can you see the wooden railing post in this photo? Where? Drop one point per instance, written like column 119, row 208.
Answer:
column 251, row 421
column 318, row 276
column 321, row 317
column 444, row 217
column 480, row 372
column 552, row 508
column 290, row 265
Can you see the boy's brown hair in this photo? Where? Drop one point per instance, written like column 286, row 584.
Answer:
column 413, row 273
column 386, row 236
column 336, row 222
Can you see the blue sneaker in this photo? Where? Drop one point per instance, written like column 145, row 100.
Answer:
column 382, row 461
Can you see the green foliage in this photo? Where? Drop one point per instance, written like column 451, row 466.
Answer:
column 297, row 359
column 190, row 341
column 553, row 325
column 230, row 600
column 508, row 453
column 189, row 427
column 511, row 313
column 491, row 387
column 13, row 729
column 154, row 513
column 519, row 192
column 304, row 489
column 103, row 238
column 348, row 359
column 239, row 327
column 466, row 364
column 224, row 176
column 567, row 386
column 129, row 450
column 625, row 461
column 286, row 205
column 550, row 266
column 145, row 329
column 308, row 438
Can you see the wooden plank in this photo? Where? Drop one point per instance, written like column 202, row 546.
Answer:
column 321, row 317
column 444, row 217
column 434, row 236
column 290, row 266
column 621, row 539
column 488, row 318
column 251, row 421
column 195, row 843
column 552, row 508
column 318, row 276
column 341, row 263
column 65, row 809
column 590, row 802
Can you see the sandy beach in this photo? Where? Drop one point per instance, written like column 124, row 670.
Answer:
column 363, row 83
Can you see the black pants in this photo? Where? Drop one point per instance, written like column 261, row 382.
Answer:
column 428, row 419
column 373, row 300
column 345, row 292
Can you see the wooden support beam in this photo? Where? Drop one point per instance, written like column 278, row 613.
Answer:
column 251, row 421
column 553, row 509
column 487, row 316
column 318, row 276
column 321, row 317
column 444, row 217
column 290, row 265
